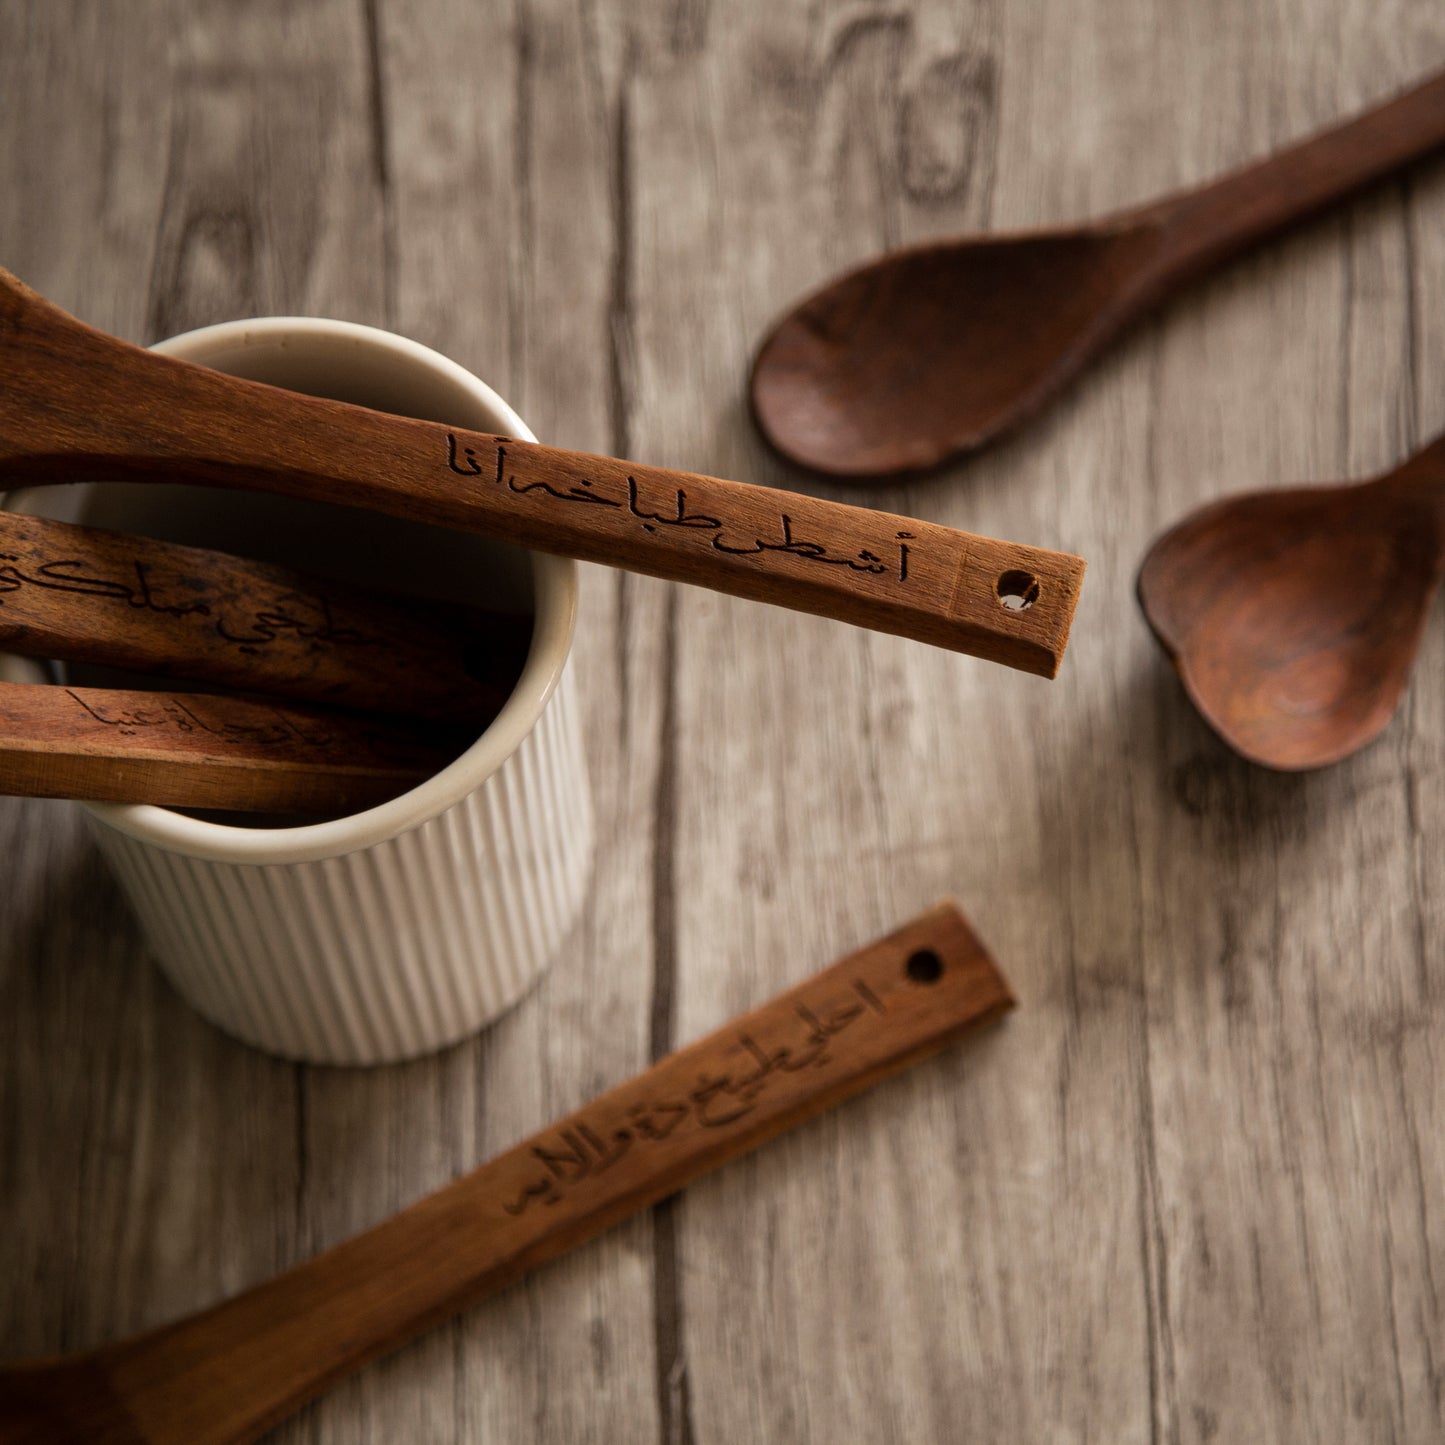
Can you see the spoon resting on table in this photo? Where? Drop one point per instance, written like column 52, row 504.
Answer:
column 1293, row 617
column 77, row 405
column 936, row 350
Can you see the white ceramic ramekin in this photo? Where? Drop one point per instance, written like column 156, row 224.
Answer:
column 394, row 931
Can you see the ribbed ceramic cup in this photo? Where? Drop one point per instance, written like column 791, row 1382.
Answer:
column 391, row 932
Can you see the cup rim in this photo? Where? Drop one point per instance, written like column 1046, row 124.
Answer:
column 555, row 589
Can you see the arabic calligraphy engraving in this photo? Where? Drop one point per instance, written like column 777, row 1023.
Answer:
column 463, row 460
column 273, row 728
column 580, row 1150
column 167, row 711
column 305, row 616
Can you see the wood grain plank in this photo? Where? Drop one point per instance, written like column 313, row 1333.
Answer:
column 509, row 218
column 85, row 109
column 1309, row 938
column 855, row 775
column 128, row 1119
column 1192, row 1193
column 1090, row 1311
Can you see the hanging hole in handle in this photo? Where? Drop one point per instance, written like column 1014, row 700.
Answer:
column 1018, row 590
column 924, row 966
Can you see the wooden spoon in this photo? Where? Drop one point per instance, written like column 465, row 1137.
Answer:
column 1293, row 617
column 231, row 1373
column 79, row 405
column 937, row 349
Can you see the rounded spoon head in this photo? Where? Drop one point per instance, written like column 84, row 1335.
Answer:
column 1293, row 617
column 935, row 350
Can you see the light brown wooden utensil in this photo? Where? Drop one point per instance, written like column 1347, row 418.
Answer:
column 197, row 750
column 79, row 405
column 81, row 594
column 238, row 1369
column 1293, row 617
column 938, row 349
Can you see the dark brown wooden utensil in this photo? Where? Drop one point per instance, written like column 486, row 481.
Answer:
column 1293, row 617
column 197, row 750
column 233, row 1372
column 77, row 404
column 937, row 349
column 80, row 594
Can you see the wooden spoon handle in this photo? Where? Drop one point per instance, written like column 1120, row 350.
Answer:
column 195, row 750
column 238, row 1369
column 1206, row 227
column 81, row 594
column 79, row 404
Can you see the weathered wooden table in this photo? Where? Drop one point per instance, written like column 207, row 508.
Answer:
column 1195, row 1188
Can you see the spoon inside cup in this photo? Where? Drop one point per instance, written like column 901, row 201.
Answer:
column 1293, row 617
column 938, row 349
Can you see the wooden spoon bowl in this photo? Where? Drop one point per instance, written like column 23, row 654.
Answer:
column 899, row 364
column 1294, row 617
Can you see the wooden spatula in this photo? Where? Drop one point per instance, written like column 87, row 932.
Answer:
column 233, row 1372
column 197, row 750
column 81, row 594
column 77, row 404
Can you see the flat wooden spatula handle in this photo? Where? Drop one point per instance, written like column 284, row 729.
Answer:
column 203, row 750
column 229, row 1374
column 80, row 403
column 83, row 594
